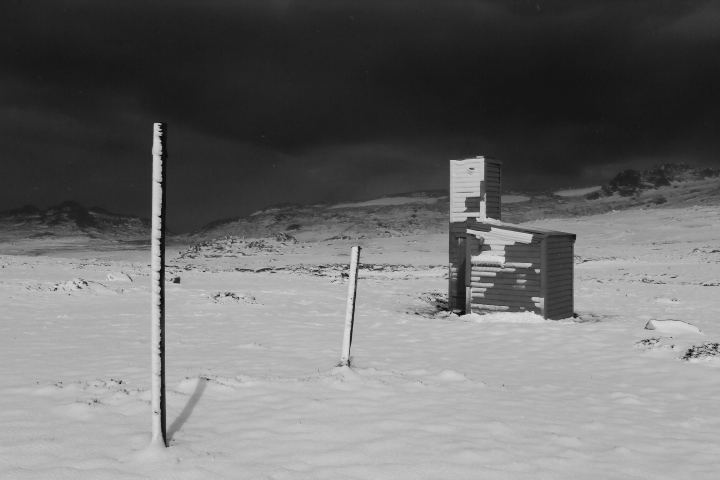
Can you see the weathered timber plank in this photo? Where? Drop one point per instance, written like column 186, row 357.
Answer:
column 515, row 247
column 559, row 271
column 503, row 281
column 507, row 295
column 486, row 281
column 554, row 270
column 505, row 273
column 558, row 289
column 509, row 303
column 555, row 254
column 560, row 265
column 505, row 286
column 515, row 296
column 508, row 276
column 543, row 277
column 560, row 260
column 556, row 241
column 498, row 308
column 466, row 174
column 561, row 315
column 559, row 242
column 562, row 295
column 509, row 265
column 499, row 292
column 523, row 287
column 562, row 249
column 517, row 271
column 510, row 300
column 557, row 281
column 554, row 276
column 533, row 257
column 565, row 312
column 489, row 240
column 555, row 306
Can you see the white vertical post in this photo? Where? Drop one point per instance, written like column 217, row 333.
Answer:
column 350, row 309
column 157, row 316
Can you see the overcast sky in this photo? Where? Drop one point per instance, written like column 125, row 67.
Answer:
column 307, row 101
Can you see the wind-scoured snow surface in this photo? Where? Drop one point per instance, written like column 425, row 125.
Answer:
column 253, row 391
column 387, row 201
column 577, row 191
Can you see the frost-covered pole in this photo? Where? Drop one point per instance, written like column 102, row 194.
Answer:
column 350, row 309
column 157, row 317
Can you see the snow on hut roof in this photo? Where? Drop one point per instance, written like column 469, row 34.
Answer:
column 499, row 228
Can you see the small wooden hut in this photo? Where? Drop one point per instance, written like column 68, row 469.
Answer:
column 498, row 266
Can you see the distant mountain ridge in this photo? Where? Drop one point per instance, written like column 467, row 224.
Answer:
column 400, row 214
column 69, row 218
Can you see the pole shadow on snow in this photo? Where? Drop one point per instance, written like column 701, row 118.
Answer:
column 187, row 411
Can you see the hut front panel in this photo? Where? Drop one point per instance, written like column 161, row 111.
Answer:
column 505, row 271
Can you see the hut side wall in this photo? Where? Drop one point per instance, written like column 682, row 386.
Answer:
column 493, row 188
column 456, row 274
column 559, row 302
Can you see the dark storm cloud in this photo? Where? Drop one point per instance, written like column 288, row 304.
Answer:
column 305, row 101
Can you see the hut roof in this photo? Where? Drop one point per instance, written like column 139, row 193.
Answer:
column 486, row 226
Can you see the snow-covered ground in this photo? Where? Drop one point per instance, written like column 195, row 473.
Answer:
column 253, row 391
column 577, row 191
column 388, row 201
column 514, row 198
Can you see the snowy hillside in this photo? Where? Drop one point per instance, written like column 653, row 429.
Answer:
column 68, row 224
column 253, row 340
column 426, row 212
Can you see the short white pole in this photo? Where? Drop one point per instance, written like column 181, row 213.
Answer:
column 157, row 316
column 350, row 309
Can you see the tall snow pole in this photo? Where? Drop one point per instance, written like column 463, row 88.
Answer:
column 350, row 309
column 157, row 316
